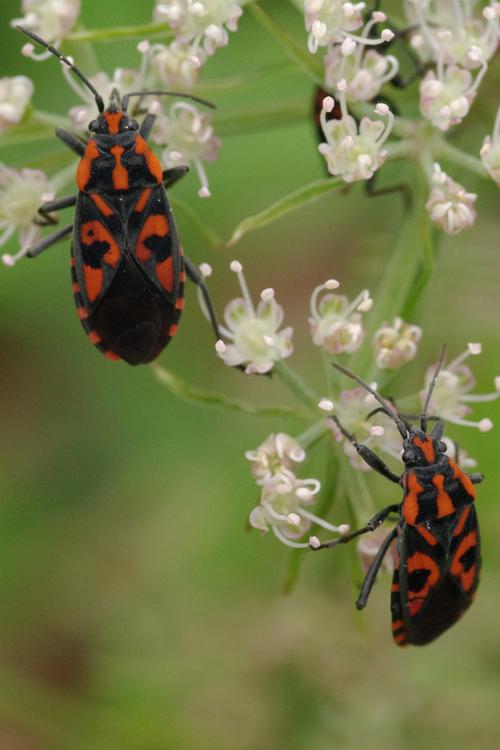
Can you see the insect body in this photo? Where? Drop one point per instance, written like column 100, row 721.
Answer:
column 438, row 546
column 127, row 265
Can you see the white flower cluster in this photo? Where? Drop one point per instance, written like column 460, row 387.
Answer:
column 50, row 19
column 460, row 40
column 202, row 25
column 15, row 96
column 449, row 205
column 285, row 499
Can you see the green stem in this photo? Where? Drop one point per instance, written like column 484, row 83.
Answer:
column 313, row 435
column 122, row 32
column 297, row 51
column 445, row 150
column 193, row 395
column 296, row 385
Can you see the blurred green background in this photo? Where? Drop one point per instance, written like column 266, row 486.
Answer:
column 136, row 611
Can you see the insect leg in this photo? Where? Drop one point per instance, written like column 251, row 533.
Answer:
column 47, row 208
column 372, row 524
column 70, row 140
column 476, row 478
column 48, row 241
column 371, row 458
column 172, row 175
column 195, row 276
column 371, row 575
column 147, row 125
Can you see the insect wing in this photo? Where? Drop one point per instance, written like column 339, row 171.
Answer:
column 153, row 240
column 98, row 246
column 437, row 582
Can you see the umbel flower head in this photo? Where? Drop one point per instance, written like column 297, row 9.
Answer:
column 188, row 137
column 21, row 195
column 352, row 152
column 285, row 499
column 365, row 72
column 202, row 24
column 451, row 396
column 396, row 344
column 334, row 21
column 446, row 97
column 15, row 96
column 449, row 204
column 335, row 323
column 173, row 66
column 256, row 341
column 50, row 19
column 276, row 454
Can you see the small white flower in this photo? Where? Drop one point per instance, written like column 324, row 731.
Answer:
column 453, row 31
column 277, row 453
column 490, row 152
column 188, row 137
column 449, row 204
column 175, row 66
column 380, row 433
column 334, row 21
column 446, row 100
column 201, row 24
column 283, row 508
column 451, row 394
column 396, row 344
column 15, row 96
column 335, row 323
column 365, row 72
column 256, row 341
column 50, row 19
column 350, row 152
column 21, row 195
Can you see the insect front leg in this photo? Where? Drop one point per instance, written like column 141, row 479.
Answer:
column 374, row 568
column 49, row 207
column 476, row 478
column 196, row 276
column 48, row 241
column 371, row 458
column 70, row 140
column 372, row 524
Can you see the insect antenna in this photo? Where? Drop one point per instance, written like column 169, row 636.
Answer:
column 387, row 407
column 98, row 98
column 165, row 93
column 423, row 417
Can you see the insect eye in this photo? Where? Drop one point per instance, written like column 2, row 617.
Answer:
column 133, row 125
column 93, row 125
column 443, row 447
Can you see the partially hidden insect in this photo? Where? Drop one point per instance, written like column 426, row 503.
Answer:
column 438, row 559
column 127, row 265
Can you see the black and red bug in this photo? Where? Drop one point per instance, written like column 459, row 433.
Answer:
column 127, row 265
column 438, row 546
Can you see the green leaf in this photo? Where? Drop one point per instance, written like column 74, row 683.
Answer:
column 291, row 202
column 193, row 395
column 122, row 33
column 297, row 51
column 209, row 234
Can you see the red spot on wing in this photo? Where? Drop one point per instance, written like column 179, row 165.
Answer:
column 421, row 562
column 179, row 303
column 426, row 534
column 445, row 504
column 119, row 174
column 94, row 337
column 457, row 569
column 152, row 161
column 462, row 478
column 143, row 200
column 461, row 522
column 173, row 329
column 95, row 231
column 165, row 273
column 410, row 500
column 101, row 204
column 82, row 313
column 93, row 281
column 111, row 355
column 156, row 225
column 84, row 170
